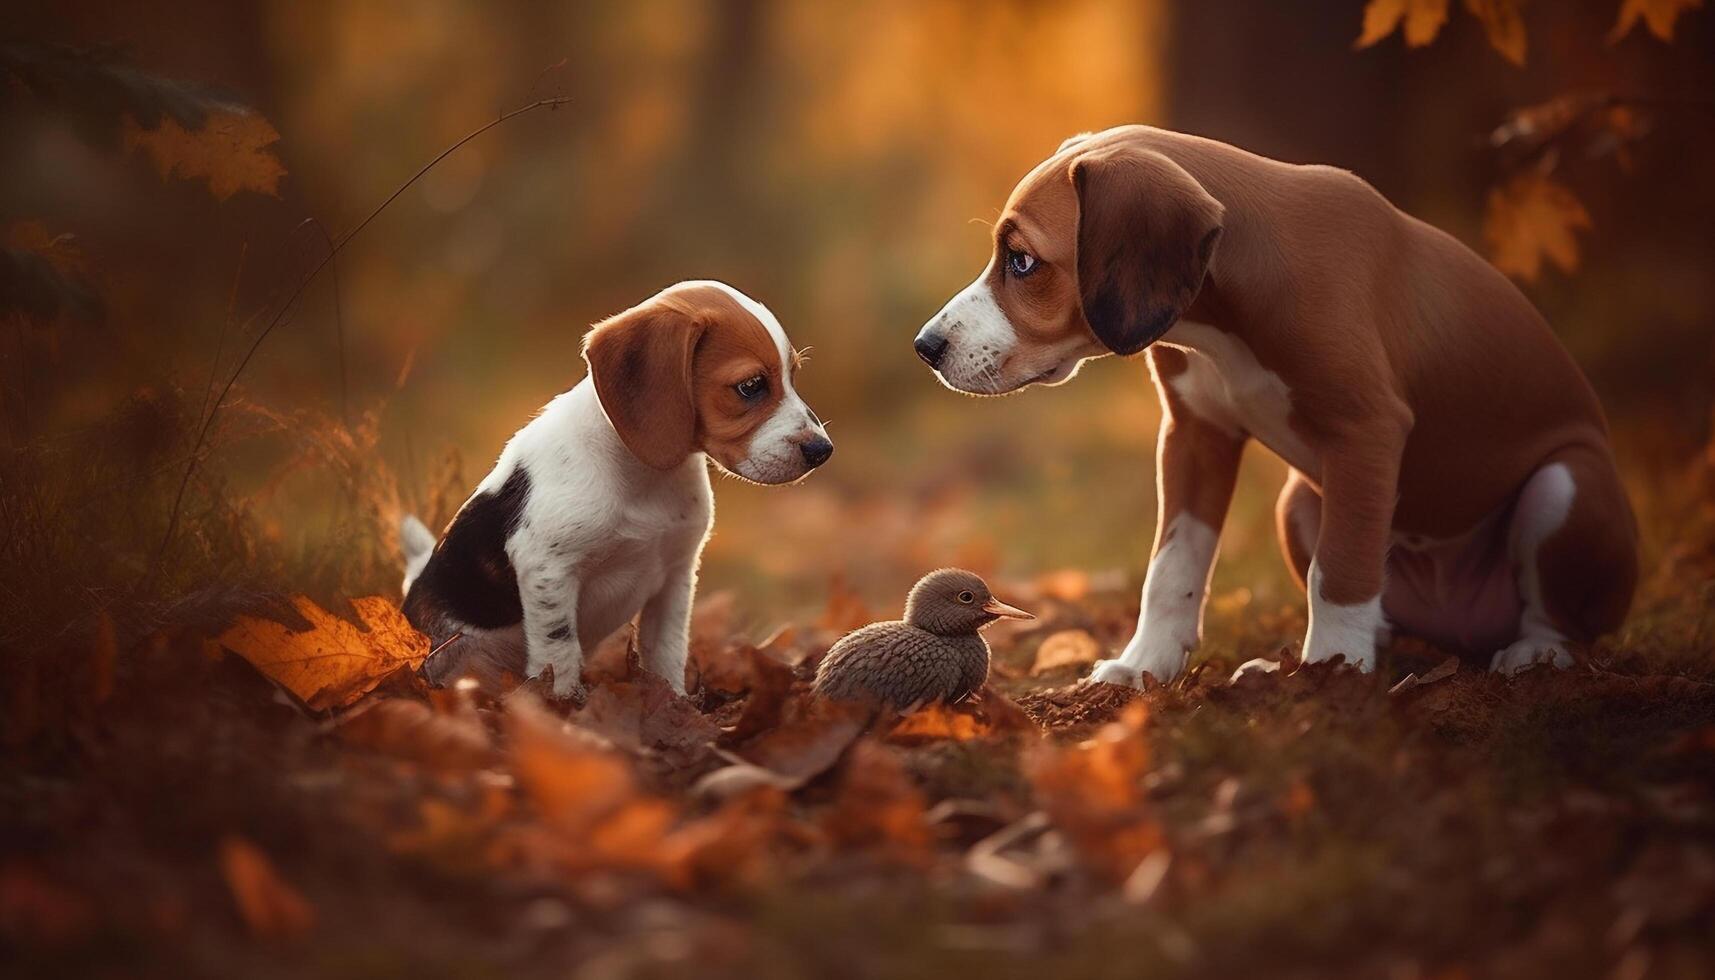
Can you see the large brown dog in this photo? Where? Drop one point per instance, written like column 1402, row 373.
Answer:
column 1451, row 475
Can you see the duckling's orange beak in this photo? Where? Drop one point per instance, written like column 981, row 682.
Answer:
column 995, row 607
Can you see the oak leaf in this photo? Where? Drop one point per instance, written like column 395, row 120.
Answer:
column 271, row 908
column 1094, row 794
column 1423, row 20
column 1659, row 16
column 1504, row 26
column 230, row 150
column 1529, row 218
column 333, row 663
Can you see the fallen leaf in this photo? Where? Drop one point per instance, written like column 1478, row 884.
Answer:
column 770, row 684
column 570, row 776
column 334, row 662
column 812, row 735
column 1094, row 794
column 878, row 807
column 413, row 731
column 1423, row 20
column 939, row 722
column 230, row 150
column 1067, row 648
column 645, row 713
column 271, row 908
column 1504, row 26
column 1659, row 16
column 1529, row 218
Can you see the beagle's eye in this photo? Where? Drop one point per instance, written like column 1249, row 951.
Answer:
column 967, row 598
column 751, row 389
column 1019, row 263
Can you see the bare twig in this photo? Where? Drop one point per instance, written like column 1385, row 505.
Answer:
column 291, row 300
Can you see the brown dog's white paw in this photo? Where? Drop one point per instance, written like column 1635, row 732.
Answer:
column 1532, row 652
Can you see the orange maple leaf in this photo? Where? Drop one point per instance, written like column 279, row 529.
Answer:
column 1423, row 20
column 1658, row 15
column 230, row 150
column 1504, row 26
column 1529, row 218
column 333, row 663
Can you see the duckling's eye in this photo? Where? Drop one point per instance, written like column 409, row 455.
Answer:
column 967, row 598
column 751, row 389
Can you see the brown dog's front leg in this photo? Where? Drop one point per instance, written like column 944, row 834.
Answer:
column 1360, row 485
column 1197, row 462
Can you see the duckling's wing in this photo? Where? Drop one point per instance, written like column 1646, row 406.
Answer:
column 842, row 674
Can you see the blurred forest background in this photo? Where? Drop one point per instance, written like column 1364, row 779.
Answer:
column 839, row 162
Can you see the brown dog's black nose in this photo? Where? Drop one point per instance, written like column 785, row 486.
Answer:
column 816, row 451
column 931, row 348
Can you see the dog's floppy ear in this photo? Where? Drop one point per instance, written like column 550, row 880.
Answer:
column 1146, row 233
column 640, row 361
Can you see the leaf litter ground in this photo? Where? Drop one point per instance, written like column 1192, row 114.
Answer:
column 172, row 810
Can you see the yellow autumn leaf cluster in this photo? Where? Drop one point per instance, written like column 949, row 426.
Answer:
column 230, row 150
column 333, row 663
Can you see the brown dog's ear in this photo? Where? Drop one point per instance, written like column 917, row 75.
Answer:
column 640, row 361
column 1146, row 233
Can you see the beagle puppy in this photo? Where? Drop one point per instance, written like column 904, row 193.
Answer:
column 1450, row 468
column 598, row 509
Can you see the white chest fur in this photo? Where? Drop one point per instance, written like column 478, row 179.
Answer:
column 1226, row 384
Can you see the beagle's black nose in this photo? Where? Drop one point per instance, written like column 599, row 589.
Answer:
column 931, row 348
column 816, row 451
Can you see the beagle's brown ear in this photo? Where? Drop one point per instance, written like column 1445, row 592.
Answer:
column 1146, row 233
column 640, row 361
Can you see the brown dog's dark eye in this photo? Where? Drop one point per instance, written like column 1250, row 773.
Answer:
column 967, row 598
column 1019, row 263
column 751, row 389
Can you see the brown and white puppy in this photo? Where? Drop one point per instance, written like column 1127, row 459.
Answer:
column 598, row 509
column 1450, row 468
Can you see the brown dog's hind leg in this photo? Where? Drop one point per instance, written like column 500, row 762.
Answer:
column 1297, row 521
column 1573, row 541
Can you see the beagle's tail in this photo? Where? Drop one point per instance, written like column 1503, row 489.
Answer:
column 417, row 543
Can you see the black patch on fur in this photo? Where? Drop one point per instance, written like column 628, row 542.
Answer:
column 560, row 632
column 469, row 578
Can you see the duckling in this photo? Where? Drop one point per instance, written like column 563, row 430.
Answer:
column 934, row 655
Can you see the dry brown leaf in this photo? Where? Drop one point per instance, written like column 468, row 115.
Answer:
column 572, row 779
column 1423, row 20
column 731, row 844
column 645, row 714
column 770, row 684
column 334, row 662
column 1660, row 16
column 1504, row 26
column 230, row 150
column 1094, row 793
column 878, row 807
column 1067, row 648
column 811, row 737
column 415, row 732
column 1529, row 218
column 271, row 908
